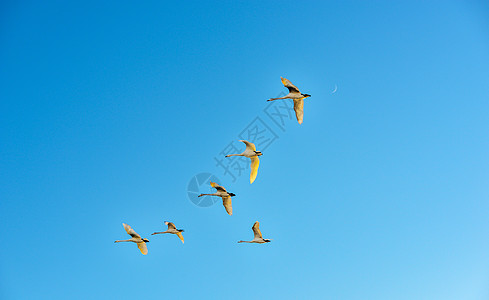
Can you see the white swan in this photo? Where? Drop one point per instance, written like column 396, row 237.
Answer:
column 258, row 238
column 226, row 197
column 172, row 229
column 135, row 238
column 252, row 154
column 295, row 95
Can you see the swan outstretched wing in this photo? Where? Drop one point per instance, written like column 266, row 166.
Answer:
column 226, row 201
column 217, row 187
column 170, row 225
column 249, row 146
column 255, row 162
column 130, row 231
column 299, row 110
column 142, row 247
column 292, row 88
column 256, row 230
column 180, row 236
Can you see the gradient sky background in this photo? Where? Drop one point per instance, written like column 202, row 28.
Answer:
column 109, row 108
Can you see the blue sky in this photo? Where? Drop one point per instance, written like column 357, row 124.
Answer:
column 108, row 110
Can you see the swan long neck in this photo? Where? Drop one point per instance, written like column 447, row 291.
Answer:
column 161, row 232
column 244, row 242
column 241, row 154
column 123, row 241
column 272, row 99
column 208, row 195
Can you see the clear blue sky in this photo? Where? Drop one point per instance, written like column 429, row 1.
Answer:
column 109, row 108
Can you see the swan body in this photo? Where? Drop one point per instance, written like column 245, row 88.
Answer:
column 257, row 235
column 226, row 197
column 135, row 238
column 295, row 95
column 173, row 230
column 252, row 154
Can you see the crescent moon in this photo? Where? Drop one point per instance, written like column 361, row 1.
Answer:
column 335, row 89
